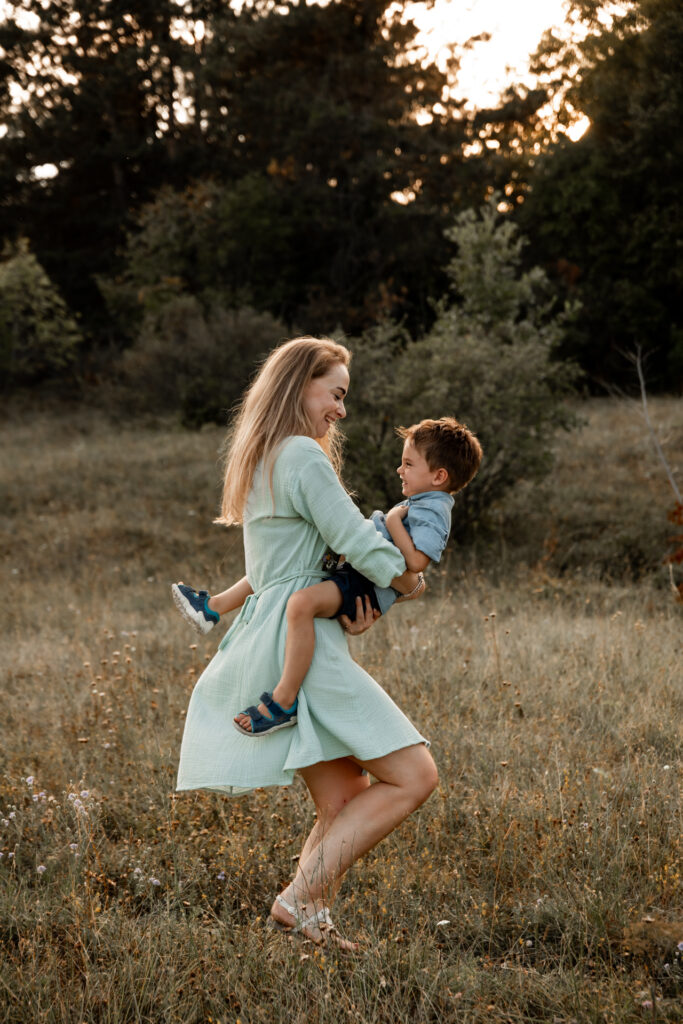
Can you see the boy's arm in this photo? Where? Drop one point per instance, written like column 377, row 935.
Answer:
column 416, row 560
column 233, row 597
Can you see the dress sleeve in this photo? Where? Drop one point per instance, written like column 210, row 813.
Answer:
column 318, row 497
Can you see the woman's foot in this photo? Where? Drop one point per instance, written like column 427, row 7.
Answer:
column 312, row 921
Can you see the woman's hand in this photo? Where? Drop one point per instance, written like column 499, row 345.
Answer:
column 366, row 616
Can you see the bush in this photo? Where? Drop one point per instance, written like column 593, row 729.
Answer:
column 487, row 360
column 38, row 335
column 195, row 361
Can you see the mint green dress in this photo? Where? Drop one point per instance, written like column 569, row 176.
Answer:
column 342, row 710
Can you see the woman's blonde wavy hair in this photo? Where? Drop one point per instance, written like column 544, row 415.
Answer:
column 271, row 410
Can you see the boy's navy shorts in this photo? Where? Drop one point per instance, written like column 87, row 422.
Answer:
column 353, row 584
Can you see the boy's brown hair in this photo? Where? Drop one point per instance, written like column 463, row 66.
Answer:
column 446, row 444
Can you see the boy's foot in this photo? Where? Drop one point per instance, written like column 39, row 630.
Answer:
column 269, row 716
column 193, row 605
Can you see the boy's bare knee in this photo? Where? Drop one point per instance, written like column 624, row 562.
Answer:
column 300, row 605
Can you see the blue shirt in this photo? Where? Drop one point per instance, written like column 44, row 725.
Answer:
column 428, row 522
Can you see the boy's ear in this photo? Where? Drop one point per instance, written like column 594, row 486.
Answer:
column 441, row 476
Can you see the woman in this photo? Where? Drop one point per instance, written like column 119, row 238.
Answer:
column 282, row 483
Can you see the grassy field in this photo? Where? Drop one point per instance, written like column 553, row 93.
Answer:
column 541, row 882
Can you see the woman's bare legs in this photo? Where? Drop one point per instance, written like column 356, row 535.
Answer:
column 333, row 784
column 348, row 828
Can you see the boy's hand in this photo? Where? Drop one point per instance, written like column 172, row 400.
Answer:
column 398, row 512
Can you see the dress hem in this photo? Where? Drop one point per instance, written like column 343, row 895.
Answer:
column 230, row 789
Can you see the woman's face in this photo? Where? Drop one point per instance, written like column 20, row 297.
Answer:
column 324, row 399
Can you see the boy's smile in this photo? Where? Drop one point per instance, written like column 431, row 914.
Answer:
column 415, row 474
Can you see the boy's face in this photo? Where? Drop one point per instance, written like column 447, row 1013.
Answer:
column 415, row 474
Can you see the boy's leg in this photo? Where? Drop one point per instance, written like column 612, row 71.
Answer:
column 321, row 601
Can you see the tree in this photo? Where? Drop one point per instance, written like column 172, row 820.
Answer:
column 313, row 114
column 98, row 87
column 488, row 360
column 604, row 213
column 38, row 336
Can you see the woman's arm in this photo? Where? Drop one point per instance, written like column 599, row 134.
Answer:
column 416, row 561
column 318, row 497
column 232, row 598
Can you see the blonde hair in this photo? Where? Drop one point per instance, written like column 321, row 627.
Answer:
column 271, row 410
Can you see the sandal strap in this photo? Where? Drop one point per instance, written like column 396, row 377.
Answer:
column 277, row 711
column 321, row 918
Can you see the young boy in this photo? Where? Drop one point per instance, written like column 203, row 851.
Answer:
column 440, row 457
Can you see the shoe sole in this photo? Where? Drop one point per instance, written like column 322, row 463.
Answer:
column 198, row 623
column 258, row 735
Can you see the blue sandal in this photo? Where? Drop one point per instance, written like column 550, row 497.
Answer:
column 260, row 725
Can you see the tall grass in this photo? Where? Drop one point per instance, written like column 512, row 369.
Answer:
column 541, row 882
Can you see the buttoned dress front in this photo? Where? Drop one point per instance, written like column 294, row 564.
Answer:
column 342, row 710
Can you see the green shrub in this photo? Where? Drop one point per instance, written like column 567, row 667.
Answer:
column 487, row 360
column 38, row 335
column 193, row 360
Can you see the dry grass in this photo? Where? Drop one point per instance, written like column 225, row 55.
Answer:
column 542, row 882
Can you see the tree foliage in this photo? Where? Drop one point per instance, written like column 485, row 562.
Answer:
column 605, row 212
column 304, row 117
column 488, row 360
column 193, row 361
column 38, row 336
column 96, row 81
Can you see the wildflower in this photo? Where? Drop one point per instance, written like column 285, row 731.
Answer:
column 85, row 794
column 12, row 815
column 155, row 881
column 35, row 798
column 41, row 869
column 221, row 876
column 71, row 797
column 679, row 947
column 5, row 822
column 29, row 780
column 42, row 796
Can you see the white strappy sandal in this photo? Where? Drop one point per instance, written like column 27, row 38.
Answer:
column 320, row 920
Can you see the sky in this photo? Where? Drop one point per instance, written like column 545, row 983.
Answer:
column 515, row 29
